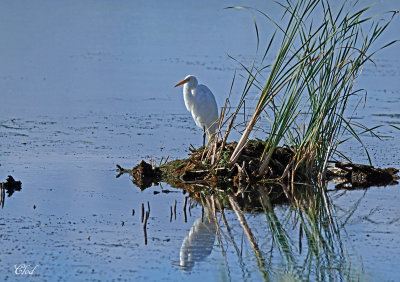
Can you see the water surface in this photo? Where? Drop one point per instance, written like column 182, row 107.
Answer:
column 86, row 85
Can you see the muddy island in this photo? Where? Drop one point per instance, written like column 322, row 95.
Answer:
column 195, row 174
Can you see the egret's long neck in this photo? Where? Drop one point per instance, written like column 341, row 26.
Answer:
column 189, row 95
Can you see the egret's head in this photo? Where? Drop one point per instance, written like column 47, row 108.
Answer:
column 190, row 80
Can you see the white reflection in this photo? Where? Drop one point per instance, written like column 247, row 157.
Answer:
column 200, row 241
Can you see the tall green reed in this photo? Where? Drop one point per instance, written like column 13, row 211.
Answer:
column 310, row 81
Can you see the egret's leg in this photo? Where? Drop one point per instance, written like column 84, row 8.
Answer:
column 204, row 136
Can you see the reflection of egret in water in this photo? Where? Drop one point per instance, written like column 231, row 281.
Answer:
column 200, row 241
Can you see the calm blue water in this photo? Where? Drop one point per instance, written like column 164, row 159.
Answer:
column 86, row 85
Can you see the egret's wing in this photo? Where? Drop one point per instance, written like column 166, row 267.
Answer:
column 205, row 109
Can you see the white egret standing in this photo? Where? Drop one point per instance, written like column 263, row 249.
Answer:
column 200, row 102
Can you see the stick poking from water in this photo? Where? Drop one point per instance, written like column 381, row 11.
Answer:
column 175, row 209
column 184, row 209
column 145, row 227
column 142, row 213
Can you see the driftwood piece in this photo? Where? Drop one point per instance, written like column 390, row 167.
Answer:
column 144, row 174
column 10, row 185
column 362, row 176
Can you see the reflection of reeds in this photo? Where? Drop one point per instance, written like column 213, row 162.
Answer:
column 249, row 234
column 318, row 234
column 309, row 84
column 309, row 220
column 279, row 234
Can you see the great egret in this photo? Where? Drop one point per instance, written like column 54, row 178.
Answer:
column 200, row 102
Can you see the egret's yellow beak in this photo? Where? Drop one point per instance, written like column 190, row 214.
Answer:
column 182, row 82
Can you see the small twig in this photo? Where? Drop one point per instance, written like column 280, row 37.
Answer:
column 145, row 227
column 175, row 209
column 192, row 148
column 166, row 159
column 142, row 212
column 184, row 209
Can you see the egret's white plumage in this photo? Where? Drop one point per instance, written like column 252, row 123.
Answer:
column 200, row 102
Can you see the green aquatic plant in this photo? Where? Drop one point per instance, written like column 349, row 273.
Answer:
column 305, row 95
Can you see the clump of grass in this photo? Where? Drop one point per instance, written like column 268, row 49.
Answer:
column 306, row 94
